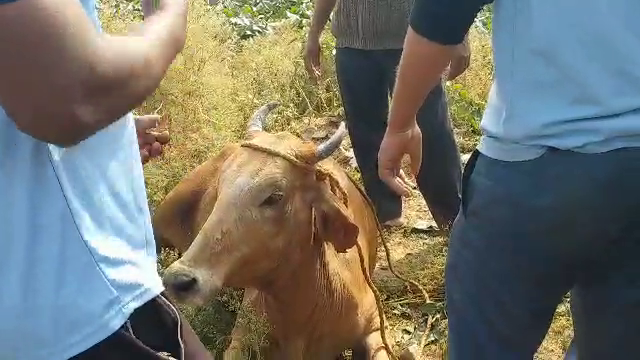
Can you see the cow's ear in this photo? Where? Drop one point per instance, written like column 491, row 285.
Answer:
column 333, row 221
column 176, row 220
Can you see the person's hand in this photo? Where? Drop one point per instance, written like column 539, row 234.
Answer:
column 395, row 144
column 312, row 51
column 151, row 7
column 173, row 14
column 406, row 180
column 459, row 65
column 147, row 8
column 150, row 142
column 460, row 61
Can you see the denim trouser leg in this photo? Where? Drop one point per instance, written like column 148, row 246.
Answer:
column 364, row 87
column 572, row 352
column 366, row 79
column 530, row 231
column 440, row 174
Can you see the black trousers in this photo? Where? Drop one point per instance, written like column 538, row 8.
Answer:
column 155, row 331
column 366, row 79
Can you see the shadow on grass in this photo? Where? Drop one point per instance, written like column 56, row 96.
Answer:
column 418, row 257
column 213, row 322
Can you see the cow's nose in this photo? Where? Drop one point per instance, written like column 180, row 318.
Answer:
column 181, row 283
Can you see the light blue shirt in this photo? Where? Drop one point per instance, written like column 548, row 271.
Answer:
column 78, row 254
column 567, row 76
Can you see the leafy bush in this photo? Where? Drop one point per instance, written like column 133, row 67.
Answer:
column 249, row 18
column 256, row 17
column 485, row 18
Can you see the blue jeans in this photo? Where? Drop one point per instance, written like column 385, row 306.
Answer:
column 366, row 79
column 527, row 233
column 572, row 352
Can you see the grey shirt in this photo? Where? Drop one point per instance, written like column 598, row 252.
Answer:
column 371, row 24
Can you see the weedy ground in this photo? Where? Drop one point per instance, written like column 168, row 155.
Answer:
column 214, row 86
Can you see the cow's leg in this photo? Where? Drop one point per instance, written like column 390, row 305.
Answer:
column 252, row 306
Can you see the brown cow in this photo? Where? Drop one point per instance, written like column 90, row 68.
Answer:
column 280, row 218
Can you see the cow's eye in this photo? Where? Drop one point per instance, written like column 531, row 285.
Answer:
column 273, row 199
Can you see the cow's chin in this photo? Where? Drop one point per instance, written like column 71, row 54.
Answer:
column 196, row 298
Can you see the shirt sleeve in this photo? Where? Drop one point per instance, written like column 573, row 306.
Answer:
column 445, row 22
column 4, row 2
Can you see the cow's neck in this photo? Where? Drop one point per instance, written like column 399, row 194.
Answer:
column 308, row 292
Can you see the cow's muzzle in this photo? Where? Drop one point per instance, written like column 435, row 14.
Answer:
column 181, row 283
column 187, row 285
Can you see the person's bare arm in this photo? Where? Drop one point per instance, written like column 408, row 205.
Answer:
column 321, row 13
column 437, row 30
column 62, row 80
column 312, row 49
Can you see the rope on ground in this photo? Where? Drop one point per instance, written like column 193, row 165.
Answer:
column 383, row 240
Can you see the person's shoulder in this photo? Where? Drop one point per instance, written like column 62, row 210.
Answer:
column 445, row 22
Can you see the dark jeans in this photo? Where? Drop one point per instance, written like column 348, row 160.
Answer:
column 366, row 79
column 527, row 233
column 153, row 329
column 572, row 352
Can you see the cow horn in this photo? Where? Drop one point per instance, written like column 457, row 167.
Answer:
column 328, row 147
column 256, row 123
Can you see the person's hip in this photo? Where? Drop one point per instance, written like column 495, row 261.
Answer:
column 154, row 331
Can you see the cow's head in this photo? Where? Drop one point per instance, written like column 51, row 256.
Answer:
column 254, row 213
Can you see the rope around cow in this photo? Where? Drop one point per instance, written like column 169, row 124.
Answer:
column 324, row 175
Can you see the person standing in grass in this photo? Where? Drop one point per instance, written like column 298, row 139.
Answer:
column 369, row 36
column 550, row 197
column 79, row 274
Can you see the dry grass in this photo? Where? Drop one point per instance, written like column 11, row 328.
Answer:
column 214, row 86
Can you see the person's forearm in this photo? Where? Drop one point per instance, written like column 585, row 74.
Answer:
column 64, row 81
column 437, row 30
column 321, row 13
column 130, row 70
column 421, row 67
